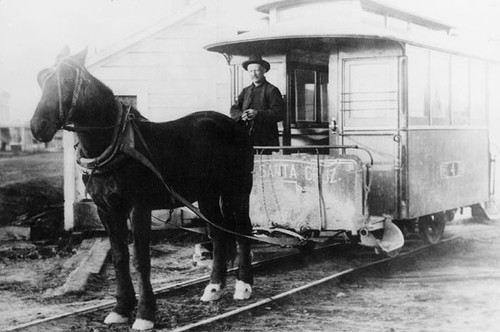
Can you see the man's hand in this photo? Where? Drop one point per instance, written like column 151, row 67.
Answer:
column 249, row 114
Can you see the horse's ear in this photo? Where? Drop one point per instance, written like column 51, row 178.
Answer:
column 42, row 75
column 63, row 54
column 80, row 57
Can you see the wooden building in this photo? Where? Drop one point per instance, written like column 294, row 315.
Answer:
column 165, row 72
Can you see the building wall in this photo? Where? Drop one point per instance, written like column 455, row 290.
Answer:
column 170, row 73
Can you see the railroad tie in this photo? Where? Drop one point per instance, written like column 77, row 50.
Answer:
column 91, row 263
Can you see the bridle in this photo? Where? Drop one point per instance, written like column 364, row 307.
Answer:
column 66, row 117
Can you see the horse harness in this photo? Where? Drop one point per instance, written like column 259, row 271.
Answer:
column 124, row 137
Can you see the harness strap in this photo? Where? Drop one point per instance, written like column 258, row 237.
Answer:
column 146, row 162
column 80, row 77
column 141, row 139
column 110, row 153
column 79, row 129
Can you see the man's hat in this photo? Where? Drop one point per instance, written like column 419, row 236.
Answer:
column 256, row 59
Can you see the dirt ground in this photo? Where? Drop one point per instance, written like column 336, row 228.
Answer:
column 29, row 184
column 453, row 289
column 26, row 283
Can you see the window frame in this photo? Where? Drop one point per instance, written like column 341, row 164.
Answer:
column 478, row 117
column 460, row 118
column 425, row 53
column 446, row 119
column 472, row 117
column 386, row 121
column 318, row 107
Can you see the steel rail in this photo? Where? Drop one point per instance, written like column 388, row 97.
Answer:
column 309, row 285
column 159, row 291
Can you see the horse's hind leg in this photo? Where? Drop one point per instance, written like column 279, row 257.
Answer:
column 211, row 209
column 141, row 230
column 236, row 209
column 116, row 224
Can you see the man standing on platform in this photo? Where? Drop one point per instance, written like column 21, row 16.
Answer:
column 260, row 106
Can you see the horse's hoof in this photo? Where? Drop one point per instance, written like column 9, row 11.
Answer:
column 212, row 292
column 242, row 290
column 114, row 318
column 143, row 324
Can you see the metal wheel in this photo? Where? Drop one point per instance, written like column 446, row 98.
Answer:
column 431, row 227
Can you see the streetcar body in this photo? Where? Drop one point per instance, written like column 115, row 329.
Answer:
column 416, row 99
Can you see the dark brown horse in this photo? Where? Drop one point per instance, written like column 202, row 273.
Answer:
column 134, row 166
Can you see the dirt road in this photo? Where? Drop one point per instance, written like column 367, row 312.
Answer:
column 452, row 289
column 455, row 288
column 29, row 184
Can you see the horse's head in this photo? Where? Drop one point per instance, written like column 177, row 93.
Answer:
column 62, row 89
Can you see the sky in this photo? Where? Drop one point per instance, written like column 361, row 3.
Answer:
column 32, row 32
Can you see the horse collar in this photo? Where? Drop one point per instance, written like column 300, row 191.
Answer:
column 110, row 159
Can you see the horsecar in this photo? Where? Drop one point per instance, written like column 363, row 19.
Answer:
column 382, row 126
column 386, row 122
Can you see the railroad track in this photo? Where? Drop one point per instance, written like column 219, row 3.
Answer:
column 179, row 308
column 159, row 292
column 387, row 265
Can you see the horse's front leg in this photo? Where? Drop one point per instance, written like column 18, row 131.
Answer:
column 141, row 229
column 116, row 224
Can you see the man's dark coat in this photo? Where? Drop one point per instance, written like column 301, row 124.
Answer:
column 267, row 100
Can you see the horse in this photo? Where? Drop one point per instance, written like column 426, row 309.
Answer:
column 133, row 166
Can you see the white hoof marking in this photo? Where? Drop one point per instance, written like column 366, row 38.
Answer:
column 143, row 324
column 212, row 292
column 114, row 318
column 242, row 290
